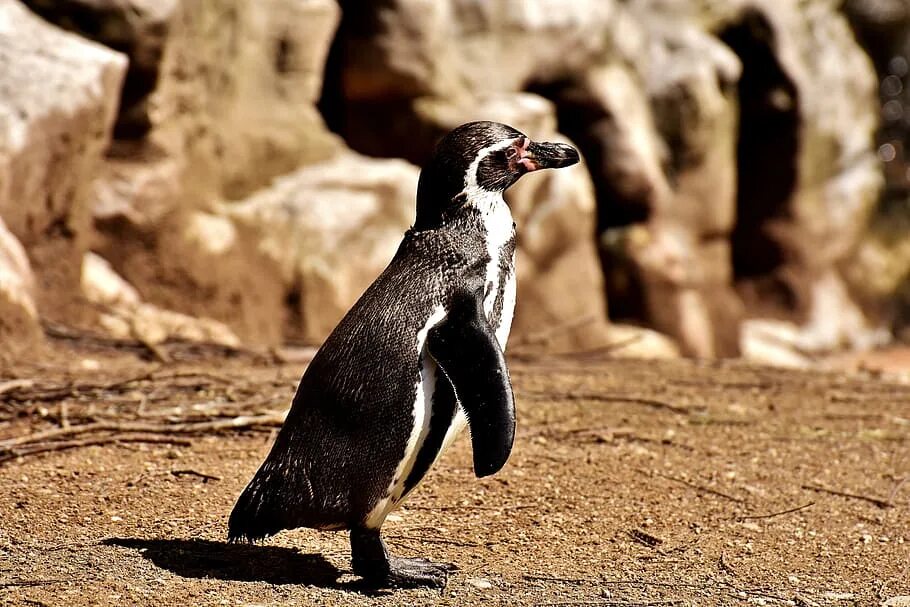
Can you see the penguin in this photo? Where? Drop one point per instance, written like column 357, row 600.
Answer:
column 417, row 357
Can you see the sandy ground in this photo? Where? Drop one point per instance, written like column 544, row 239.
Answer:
column 631, row 483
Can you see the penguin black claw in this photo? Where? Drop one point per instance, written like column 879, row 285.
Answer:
column 415, row 573
column 370, row 560
column 418, row 356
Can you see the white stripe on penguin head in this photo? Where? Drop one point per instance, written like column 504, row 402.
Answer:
column 471, row 187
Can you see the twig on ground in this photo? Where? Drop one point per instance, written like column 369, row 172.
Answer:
column 234, row 423
column 15, row 384
column 897, row 487
column 881, row 503
column 171, row 349
column 610, row 603
column 773, row 514
column 644, row 538
column 695, row 486
column 610, row 398
column 542, row 337
column 29, row 583
column 725, row 566
column 22, row 390
column 470, row 507
column 189, row 472
column 35, row 448
column 434, row 540
column 553, row 578
column 579, row 581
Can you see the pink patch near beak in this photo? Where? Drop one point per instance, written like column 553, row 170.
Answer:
column 525, row 158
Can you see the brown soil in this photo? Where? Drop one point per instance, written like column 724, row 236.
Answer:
column 631, row 483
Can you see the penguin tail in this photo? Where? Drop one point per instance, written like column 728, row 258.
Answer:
column 254, row 517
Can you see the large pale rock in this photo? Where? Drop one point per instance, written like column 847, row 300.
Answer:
column 784, row 343
column 221, row 98
column 412, row 48
column 627, row 341
column 879, row 272
column 18, row 315
column 226, row 88
column 58, row 99
column 127, row 316
column 138, row 28
column 201, row 265
column 331, row 228
column 240, row 81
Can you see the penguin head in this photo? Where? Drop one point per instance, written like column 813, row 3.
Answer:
column 476, row 160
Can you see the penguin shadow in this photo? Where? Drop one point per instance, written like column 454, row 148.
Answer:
column 195, row 558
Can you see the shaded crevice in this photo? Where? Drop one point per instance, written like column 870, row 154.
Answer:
column 332, row 101
column 120, row 29
column 767, row 152
column 588, row 124
column 621, row 201
column 362, row 100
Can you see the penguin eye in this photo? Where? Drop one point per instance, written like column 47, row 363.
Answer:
column 511, row 153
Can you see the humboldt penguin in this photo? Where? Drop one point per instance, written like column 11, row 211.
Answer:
column 419, row 355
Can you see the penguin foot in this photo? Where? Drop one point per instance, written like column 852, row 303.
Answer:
column 371, row 561
column 417, row 573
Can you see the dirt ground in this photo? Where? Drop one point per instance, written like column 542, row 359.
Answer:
column 631, row 483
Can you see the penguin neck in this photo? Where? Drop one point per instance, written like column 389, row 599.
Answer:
column 493, row 215
column 490, row 217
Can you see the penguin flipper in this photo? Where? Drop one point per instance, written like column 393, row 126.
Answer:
column 465, row 347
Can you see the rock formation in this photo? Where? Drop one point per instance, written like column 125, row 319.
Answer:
column 730, row 174
column 58, row 101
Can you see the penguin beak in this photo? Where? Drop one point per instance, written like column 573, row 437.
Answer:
column 545, row 155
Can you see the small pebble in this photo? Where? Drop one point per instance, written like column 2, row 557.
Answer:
column 479, row 583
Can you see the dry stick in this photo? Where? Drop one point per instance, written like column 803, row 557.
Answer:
column 443, row 508
column 695, row 486
column 29, row 583
column 15, row 384
column 773, row 514
column 75, row 389
column 33, row 449
column 872, row 500
column 190, row 472
column 610, row 398
column 242, row 421
column 552, row 578
column 542, row 336
column 600, row 350
column 433, row 540
column 609, row 603
column 897, row 487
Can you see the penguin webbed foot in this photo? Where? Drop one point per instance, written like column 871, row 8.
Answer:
column 417, row 573
column 371, row 561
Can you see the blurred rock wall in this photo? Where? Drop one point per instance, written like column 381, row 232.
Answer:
column 255, row 163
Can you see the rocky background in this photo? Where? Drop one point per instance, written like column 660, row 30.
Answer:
column 238, row 172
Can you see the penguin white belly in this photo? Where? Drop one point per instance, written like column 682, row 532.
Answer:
column 422, row 409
